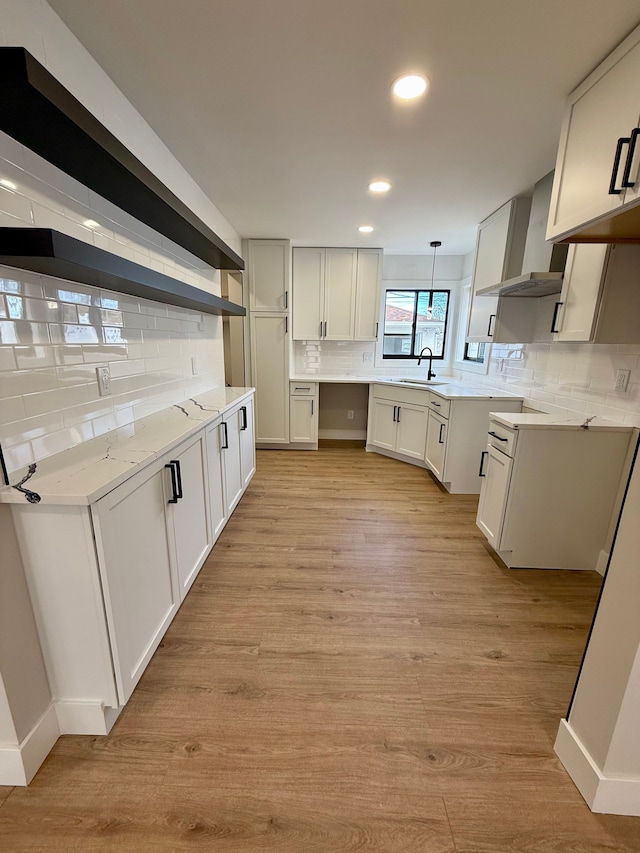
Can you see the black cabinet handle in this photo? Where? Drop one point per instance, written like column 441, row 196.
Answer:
column 624, row 140
column 398, row 418
column 325, row 328
column 179, row 475
column 312, row 408
column 174, row 485
column 320, row 335
column 433, row 403
column 555, row 317
column 286, row 325
column 394, row 413
column 482, row 455
column 495, row 435
column 632, row 150
column 377, row 324
column 286, row 299
column 243, row 410
column 489, row 332
column 440, row 441
column 225, row 445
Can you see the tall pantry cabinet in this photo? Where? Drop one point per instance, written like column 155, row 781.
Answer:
column 268, row 270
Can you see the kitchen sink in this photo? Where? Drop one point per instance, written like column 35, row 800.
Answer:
column 424, row 382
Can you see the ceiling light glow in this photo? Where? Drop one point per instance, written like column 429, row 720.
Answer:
column 366, row 229
column 379, row 186
column 410, row 86
column 91, row 223
column 8, row 184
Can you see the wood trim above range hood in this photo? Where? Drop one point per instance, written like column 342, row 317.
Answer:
column 49, row 252
column 40, row 113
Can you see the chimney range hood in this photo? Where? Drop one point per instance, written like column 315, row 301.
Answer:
column 543, row 263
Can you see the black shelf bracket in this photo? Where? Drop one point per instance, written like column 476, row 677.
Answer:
column 38, row 112
column 49, row 252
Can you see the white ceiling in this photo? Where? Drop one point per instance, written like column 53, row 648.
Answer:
column 281, row 109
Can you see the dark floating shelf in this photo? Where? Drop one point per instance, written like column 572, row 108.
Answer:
column 49, row 252
column 37, row 111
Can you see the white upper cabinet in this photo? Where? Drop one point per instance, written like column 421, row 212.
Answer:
column 368, row 285
column 600, row 299
column 268, row 268
column 599, row 154
column 499, row 252
column 336, row 294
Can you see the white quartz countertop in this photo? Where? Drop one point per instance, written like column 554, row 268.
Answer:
column 447, row 388
column 518, row 420
column 88, row 472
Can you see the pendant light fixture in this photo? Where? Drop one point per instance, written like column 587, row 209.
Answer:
column 435, row 245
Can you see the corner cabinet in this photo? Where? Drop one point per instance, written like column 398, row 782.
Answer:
column 499, row 252
column 599, row 153
column 107, row 589
column 398, row 421
column 336, row 294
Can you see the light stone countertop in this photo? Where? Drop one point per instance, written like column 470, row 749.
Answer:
column 450, row 389
column 520, row 420
column 86, row 473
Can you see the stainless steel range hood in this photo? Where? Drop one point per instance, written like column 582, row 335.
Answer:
column 543, row 263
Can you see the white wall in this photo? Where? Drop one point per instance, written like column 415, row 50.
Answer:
column 53, row 334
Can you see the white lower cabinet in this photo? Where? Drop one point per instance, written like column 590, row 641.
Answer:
column 107, row 578
column 398, row 420
column 549, row 493
column 303, row 420
column 436, row 444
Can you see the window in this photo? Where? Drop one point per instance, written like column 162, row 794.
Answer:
column 474, row 352
column 414, row 319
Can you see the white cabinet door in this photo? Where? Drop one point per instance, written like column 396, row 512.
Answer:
column 581, row 291
column 411, row 430
column 247, row 443
column 268, row 268
column 270, row 372
column 383, row 424
column 217, row 503
column 339, row 294
column 304, row 419
column 436, row 444
column 601, row 111
column 190, row 515
column 231, row 459
column 308, row 294
column 368, row 283
column 140, row 586
column 493, row 495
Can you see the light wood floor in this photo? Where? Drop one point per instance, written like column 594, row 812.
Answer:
column 351, row 671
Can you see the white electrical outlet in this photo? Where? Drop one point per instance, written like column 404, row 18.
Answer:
column 622, row 380
column 103, row 375
column 350, row 415
column 367, row 357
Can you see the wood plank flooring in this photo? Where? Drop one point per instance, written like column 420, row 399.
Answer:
column 352, row 671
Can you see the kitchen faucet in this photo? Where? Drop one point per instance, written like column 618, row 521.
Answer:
column 430, row 373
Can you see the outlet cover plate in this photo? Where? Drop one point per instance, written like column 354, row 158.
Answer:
column 103, row 375
column 622, row 380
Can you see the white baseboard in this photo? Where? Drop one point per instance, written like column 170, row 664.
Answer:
column 601, row 565
column 603, row 794
column 20, row 763
column 343, row 434
column 85, row 718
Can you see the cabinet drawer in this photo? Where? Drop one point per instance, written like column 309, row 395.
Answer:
column 303, row 389
column 439, row 405
column 502, row 438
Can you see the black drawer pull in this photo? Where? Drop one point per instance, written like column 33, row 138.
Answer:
column 243, row 410
column 495, row 435
column 225, row 445
column 555, row 317
column 440, row 441
column 179, row 475
column 436, row 404
column 482, row 455
column 624, row 140
column 174, row 485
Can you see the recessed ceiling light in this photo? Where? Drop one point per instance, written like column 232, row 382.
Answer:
column 410, row 86
column 91, row 223
column 379, row 186
column 366, row 229
column 8, row 184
